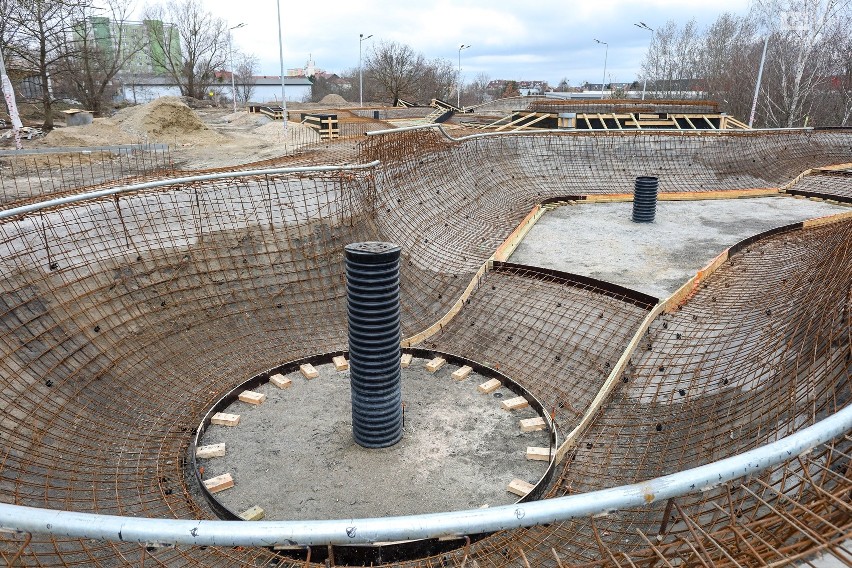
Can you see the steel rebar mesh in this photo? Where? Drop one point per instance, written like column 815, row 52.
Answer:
column 30, row 177
column 825, row 185
column 124, row 318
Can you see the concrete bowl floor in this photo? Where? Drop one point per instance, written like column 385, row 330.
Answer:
column 600, row 239
column 294, row 456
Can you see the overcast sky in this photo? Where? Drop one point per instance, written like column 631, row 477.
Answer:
column 515, row 39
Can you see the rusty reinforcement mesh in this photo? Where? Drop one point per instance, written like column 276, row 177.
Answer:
column 124, row 318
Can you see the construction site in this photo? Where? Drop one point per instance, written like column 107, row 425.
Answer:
column 578, row 388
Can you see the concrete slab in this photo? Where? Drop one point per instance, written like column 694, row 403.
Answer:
column 294, row 455
column 600, row 239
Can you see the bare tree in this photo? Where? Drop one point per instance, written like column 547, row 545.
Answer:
column 799, row 57
column 395, row 70
column 438, row 80
column 837, row 95
column 191, row 47
column 728, row 62
column 101, row 48
column 43, row 28
column 7, row 30
column 672, row 59
column 244, row 71
column 476, row 92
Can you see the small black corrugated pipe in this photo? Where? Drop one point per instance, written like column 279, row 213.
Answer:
column 372, row 294
column 645, row 199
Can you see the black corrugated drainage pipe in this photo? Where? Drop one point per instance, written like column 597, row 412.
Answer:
column 645, row 199
column 372, row 297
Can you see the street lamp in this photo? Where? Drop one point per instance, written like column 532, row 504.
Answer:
column 606, row 53
column 458, row 87
column 281, row 57
column 361, row 41
column 231, row 53
column 645, row 26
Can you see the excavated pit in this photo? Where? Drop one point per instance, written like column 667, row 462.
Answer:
column 125, row 318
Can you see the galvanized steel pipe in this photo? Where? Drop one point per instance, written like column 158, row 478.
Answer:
column 367, row 531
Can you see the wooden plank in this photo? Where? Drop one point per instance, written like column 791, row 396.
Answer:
column 435, row 364
column 520, row 487
column 462, row 373
column 536, row 453
column 308, row 371
column 210, row 451
column 489, row 386
column 252, row 397
column 530, row 123
column 253, row 514
column 340, row 363
column 514, row 403
column 219, row 483
column 532, row 424
column 280, row 381
column 225, row 419
column 405, row 360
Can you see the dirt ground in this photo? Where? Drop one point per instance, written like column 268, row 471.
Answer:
column 294, row 456
column 202, row 138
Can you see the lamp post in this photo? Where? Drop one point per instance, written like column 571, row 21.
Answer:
column 231, row 53
column 458, row 87
column 606, row 53
column 645, row 26
column 361, row 41
column 281, row 56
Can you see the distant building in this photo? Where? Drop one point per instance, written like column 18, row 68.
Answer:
column 145, row 42
column 267, row 88
column 309, row 70
column 526, row 88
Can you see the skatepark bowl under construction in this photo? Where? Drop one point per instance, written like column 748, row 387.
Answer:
column 129, row 310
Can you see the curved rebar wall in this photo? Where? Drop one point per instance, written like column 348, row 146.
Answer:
column 125, row 316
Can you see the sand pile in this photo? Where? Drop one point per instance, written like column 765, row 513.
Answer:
column 167, row 120
column 102, row 132
column 242, row 118
column 295, row 133
column 333, row 100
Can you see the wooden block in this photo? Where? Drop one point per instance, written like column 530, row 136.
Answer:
column 538, row 454
column 219, row 483
column 520, row 487
column 211, row 451
column 340, row 363
column 435, row 364
column 253, row 514
column 308, row 371
column 252, row 397
column 489, row 386
column 515, row 403
column 532, row 424
column 405, row 361
column 280, row 381
column 462, row 373
column 225, row 419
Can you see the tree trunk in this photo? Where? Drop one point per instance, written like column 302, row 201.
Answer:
column 47, row 103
